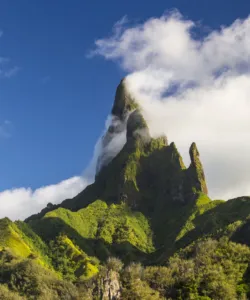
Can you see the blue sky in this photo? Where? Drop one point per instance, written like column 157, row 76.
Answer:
column 58, row 101
column 55, row 100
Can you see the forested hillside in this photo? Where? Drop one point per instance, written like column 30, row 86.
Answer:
column 145, row 229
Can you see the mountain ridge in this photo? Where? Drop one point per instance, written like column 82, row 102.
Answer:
column 139, row 145
column 145, row 206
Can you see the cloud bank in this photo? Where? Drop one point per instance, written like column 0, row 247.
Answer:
column 20, row 203
column 192, row 87
column 111, row 142
column 189, row 88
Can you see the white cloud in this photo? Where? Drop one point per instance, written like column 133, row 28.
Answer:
column 20, row 203
column 5, row 129
column 11, row 72
column 189, row 89
column 192, row 90
column 7, row 71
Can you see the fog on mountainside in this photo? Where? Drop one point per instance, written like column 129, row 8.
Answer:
column 191, row 89
column 145, row 226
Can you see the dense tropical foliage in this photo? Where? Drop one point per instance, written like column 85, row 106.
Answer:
column 145, row 229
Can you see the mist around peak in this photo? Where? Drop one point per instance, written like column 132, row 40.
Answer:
column 191, row 89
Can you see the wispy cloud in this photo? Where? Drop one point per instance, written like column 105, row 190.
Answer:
column 19, row 203
column 11, row 72
column 4, row 60
column 192, row 90
column 210, row 102
column 5, row 129
column 6, row 70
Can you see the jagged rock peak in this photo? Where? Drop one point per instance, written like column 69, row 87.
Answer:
column 193, row 152
column 125, row 108
column 124, row 102
column 137, row 126
column 126, row 118
column 196, row 169
column 176, row 156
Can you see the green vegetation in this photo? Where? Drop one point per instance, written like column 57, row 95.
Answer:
column 207, row 269
column 146, row 229
column 26, row 279
column 68, row 251
column 10, row 237
column 116, row 223
column 22, row 241
column 123, row 101
column 70, row 261
column 196, row 172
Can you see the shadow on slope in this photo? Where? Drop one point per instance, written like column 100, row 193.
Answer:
column 221, row 218
column 51, row 227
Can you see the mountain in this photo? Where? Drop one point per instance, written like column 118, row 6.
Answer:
column 145, row 210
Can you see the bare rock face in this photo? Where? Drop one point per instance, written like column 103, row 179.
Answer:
column 146, row 173
column 126, row 122
column 137, row 127
column 124, row 102
column 110, row 286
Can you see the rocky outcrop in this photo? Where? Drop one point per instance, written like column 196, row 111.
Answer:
column 137, row 127
column 196, row 172
column 110, row 287
column 146, row 173
column 115, row 137
column 124, row 102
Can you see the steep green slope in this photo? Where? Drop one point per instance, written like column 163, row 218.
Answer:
column 70, row 261
column 26, row 279
column 145, row 206
column 146, row 173
column 11, row 237
column 21, row 240
column 205, row 270
column 146, row 178
column 107, row 225
column 221, row 218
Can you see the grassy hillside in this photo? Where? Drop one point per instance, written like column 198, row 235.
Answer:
column 43, row 256
column 100, row 223
column 147, row 209
column 152, row 206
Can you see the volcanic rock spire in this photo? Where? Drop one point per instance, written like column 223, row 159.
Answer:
column 144, row 172
column 126, row 122
column 196, row 171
